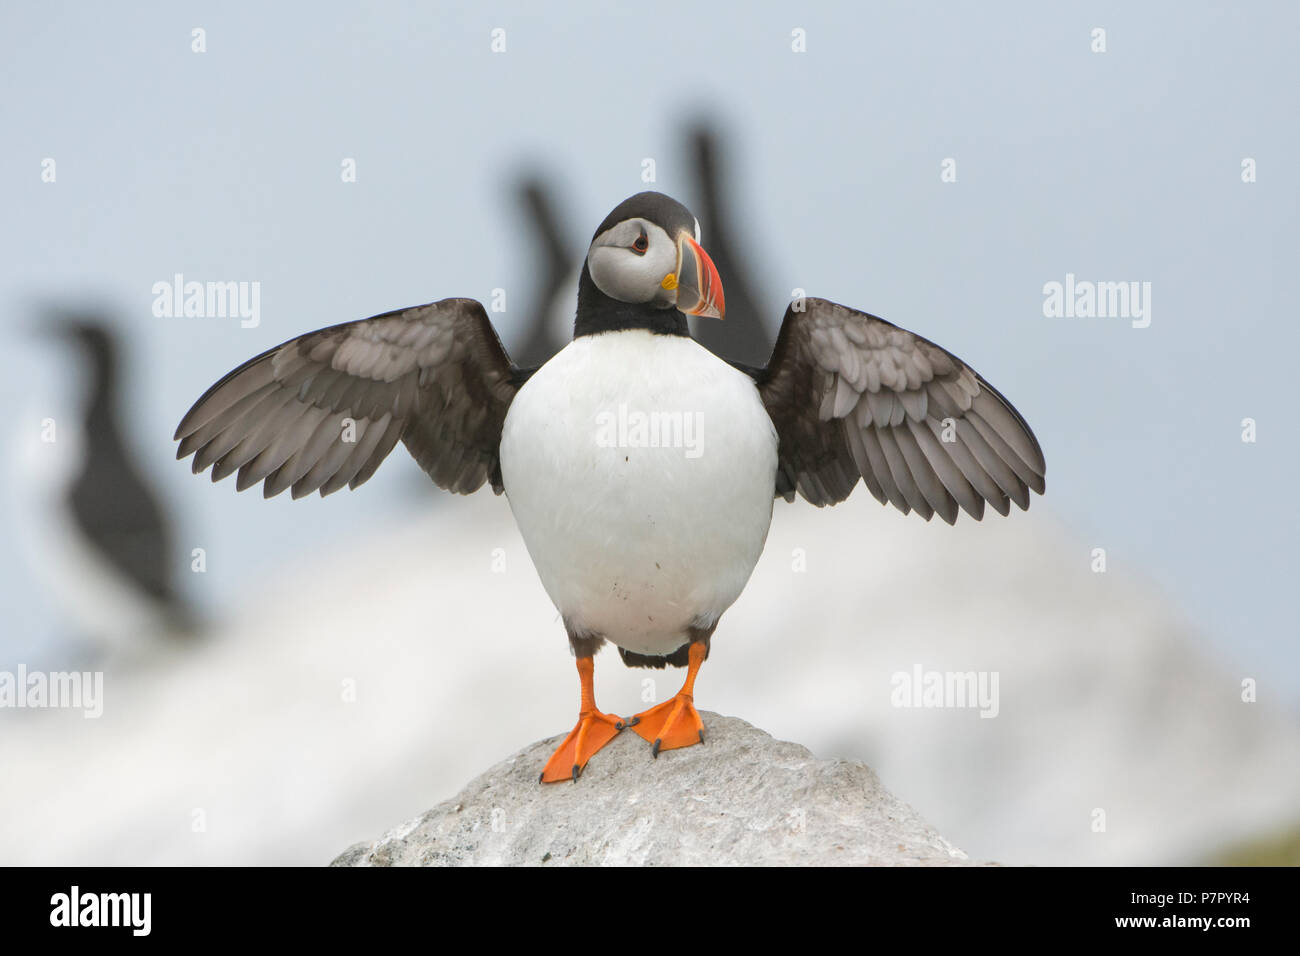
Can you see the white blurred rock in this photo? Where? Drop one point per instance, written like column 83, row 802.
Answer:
column 369, row 682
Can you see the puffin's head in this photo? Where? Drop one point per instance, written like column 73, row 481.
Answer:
column 648, row 251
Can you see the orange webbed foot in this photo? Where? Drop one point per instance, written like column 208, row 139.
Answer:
column 674, row 723
column 594, row 730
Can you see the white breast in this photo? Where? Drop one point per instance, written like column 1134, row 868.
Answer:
column 640, row 469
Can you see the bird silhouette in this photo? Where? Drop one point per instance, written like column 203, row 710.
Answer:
column 121, row 521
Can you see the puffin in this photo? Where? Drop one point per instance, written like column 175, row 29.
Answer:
column 641, row 469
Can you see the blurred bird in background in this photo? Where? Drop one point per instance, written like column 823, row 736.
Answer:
column 548, row 318
column 103, row 538
column 745, row 339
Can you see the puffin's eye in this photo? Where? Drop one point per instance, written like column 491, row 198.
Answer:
column 641, row 244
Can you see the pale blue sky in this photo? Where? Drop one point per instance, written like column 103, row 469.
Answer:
column 1116, row 166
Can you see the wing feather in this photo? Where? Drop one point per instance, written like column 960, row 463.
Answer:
column 927, row 481
column 325, row 409
column 853, row 396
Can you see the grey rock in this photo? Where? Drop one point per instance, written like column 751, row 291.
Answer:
column 743, row 798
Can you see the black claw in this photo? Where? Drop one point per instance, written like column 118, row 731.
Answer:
column 541, row 777
column 620, row 725
column 654, row 751
column 634, row 721
column 701, row 736
column 576, row 770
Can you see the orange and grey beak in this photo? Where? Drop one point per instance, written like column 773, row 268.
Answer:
column 699, row 287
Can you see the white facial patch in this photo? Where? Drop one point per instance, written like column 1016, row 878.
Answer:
column 622, row 273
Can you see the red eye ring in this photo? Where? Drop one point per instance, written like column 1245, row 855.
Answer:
column 641, row 245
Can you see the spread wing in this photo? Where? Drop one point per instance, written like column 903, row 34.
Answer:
column 323, row 410
column 853, row 396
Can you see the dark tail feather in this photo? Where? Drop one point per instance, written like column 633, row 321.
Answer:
column 678, row 658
